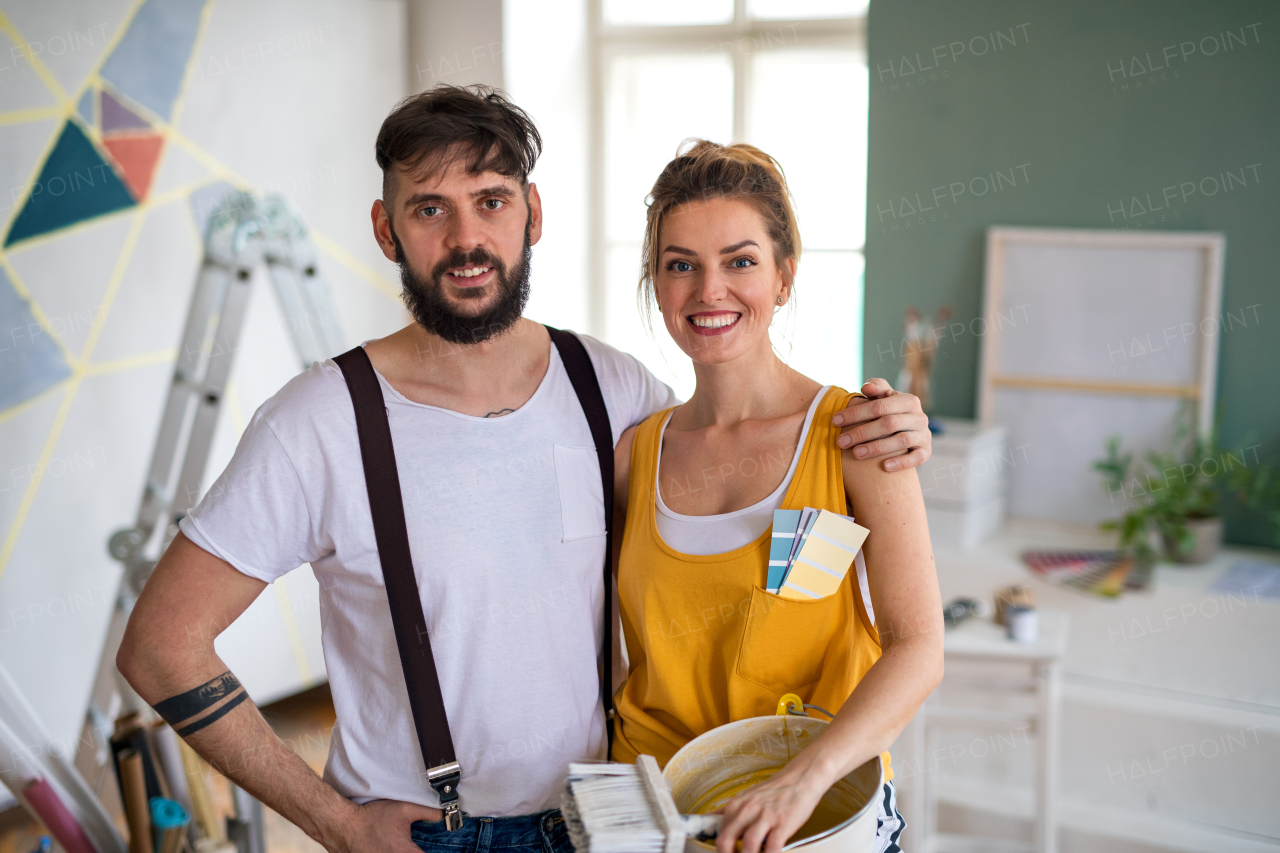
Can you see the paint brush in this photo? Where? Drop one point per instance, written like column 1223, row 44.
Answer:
column 627, row 808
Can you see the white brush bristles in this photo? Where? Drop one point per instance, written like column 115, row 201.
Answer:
column 620, row 808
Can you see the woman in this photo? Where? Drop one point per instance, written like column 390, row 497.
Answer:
column 697, row 486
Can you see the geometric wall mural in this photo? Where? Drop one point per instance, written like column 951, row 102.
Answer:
column 106, row 155
column 102, row 161
column 121, row 132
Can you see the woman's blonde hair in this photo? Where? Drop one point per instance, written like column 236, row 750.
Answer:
column 708, row 170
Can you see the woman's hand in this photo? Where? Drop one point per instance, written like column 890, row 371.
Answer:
column 887, row 422
column 766, row 815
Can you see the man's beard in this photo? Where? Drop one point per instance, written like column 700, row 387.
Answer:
column 426, row 301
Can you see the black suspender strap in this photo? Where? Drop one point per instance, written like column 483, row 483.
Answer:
column 587, row 386
column 386, row 504
column 392, row 536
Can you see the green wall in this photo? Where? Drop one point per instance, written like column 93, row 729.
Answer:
column 1048, row 95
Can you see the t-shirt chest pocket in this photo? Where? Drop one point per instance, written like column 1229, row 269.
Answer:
column 581, row 493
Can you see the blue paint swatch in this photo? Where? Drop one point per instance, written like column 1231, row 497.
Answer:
column 785, row 522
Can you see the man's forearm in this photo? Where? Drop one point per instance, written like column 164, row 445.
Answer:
column 223, row 725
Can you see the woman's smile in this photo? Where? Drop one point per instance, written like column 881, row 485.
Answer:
column 713, row 322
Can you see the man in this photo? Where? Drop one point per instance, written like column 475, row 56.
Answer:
column 501, row 498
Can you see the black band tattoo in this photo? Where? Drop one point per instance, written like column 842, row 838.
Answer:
column 499, row 413
column 184, row 706
column 214, row 717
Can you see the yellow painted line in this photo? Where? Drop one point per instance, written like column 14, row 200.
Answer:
column 37, row 64
column 113, row 42
column 291, row 628
column 28, row 497
column 20, row 201
column 15, row 410
column 205, row 15
column 175, row 194
column 113, row 286
column 33, row 114
column 351, row 262
column 213, row 164
column 36, row 311
column 180, row 193
column 130, row 362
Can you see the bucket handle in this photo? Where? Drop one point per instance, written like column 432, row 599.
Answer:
column 790, row 701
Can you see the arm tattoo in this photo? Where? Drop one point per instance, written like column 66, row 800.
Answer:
column 213, row 717
column 216, row 692
column 499, row 413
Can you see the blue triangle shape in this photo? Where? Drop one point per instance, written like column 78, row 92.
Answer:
column 85, row 107
column 33, row 362
column 149, row 64
column 76, row 183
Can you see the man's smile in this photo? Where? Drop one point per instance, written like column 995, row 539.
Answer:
column 470, row 276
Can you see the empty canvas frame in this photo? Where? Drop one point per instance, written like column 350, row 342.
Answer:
column 1088, row 335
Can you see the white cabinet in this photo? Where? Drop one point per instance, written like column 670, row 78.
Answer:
column 964, row 482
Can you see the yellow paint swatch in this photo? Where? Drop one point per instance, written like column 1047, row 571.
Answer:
column 824, row 558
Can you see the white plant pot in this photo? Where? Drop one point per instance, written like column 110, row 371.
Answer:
column 1207, row 533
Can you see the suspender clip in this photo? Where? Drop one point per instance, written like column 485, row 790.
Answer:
column 444, row 779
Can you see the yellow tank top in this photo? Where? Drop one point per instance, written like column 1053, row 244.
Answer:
column 707, row 644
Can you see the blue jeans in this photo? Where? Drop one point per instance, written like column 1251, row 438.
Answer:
column 544, row 832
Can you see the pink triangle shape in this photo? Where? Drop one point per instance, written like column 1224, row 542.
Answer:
column 137, row 157
column 116, row 116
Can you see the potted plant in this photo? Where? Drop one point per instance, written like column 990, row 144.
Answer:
column 1177, row 496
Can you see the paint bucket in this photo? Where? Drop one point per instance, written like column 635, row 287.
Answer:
column 712, row 768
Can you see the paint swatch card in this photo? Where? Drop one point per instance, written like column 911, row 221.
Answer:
column 825, row 554
column 807, row 516
column 785, row 524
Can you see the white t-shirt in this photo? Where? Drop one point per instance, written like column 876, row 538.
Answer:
column 506, row 527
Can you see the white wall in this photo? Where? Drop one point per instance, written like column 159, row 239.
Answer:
column 453, row 42
column 545, row 67
column 255, row 113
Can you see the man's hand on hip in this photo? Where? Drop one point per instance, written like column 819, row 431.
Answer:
column 887, row 422
column 382, row 826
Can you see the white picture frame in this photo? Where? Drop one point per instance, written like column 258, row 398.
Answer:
column 1089, row 334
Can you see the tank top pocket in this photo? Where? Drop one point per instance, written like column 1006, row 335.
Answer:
column 784, row 641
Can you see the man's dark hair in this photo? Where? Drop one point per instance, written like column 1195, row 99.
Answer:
column 426, row 132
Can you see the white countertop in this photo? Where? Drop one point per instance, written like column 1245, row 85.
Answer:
column 1176, row 639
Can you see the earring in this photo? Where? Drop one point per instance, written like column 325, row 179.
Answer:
column 780, row 300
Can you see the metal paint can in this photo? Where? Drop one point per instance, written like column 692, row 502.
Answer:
column 715, row 766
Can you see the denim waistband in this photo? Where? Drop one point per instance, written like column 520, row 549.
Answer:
column 533, row 832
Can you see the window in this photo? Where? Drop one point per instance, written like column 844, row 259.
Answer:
column 788, row 76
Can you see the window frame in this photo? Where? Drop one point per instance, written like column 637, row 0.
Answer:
column 605, row 41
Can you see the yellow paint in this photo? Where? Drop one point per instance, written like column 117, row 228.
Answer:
column 724, row 763
column 30, row 115
column 37, row 64
column 351, row 262
column 130, row 362
column 37, row 313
